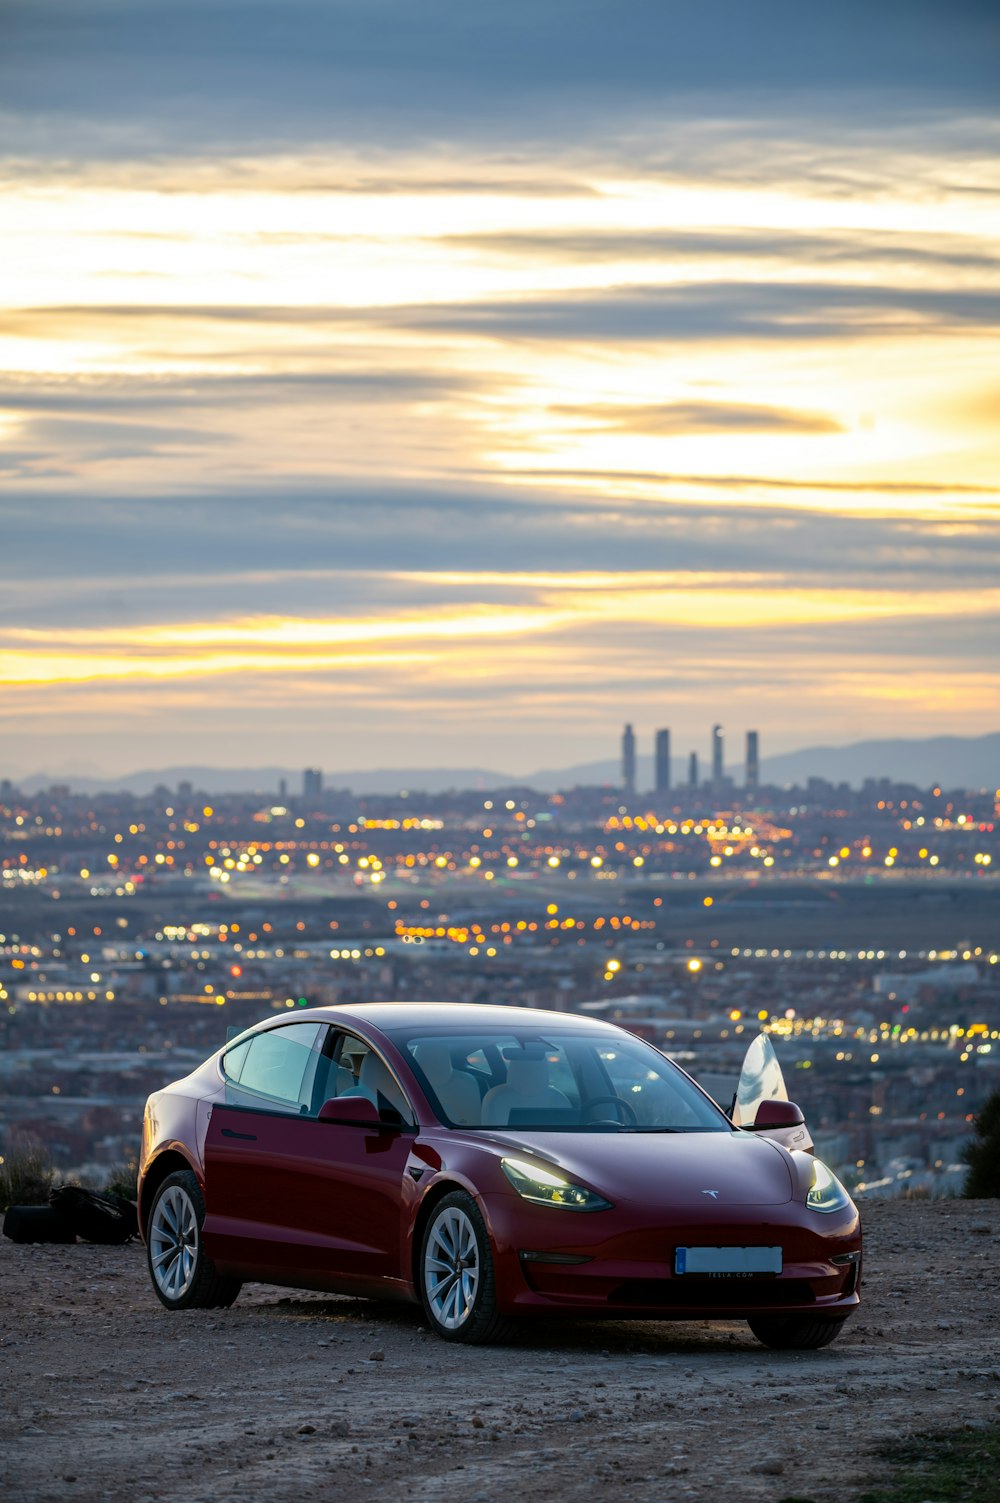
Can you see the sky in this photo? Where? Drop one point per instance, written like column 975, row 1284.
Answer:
column 394, row 385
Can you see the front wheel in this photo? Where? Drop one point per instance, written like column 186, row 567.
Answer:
column 800, row 1333
column 183, row 1277
column 457, row 1284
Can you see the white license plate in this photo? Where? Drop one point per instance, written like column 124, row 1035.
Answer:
column 727, row 1260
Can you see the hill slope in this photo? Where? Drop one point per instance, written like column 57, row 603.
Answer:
column 295, row 1397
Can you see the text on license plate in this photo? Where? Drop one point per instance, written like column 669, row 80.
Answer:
column 727, row 1260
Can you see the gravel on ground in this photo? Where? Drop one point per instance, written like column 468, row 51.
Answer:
column 295, row 1397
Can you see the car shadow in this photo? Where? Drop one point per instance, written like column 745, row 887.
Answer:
column 582, row 1336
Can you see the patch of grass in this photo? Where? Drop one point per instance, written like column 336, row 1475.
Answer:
column 26, row 1172
column 946, row 1466
column 122, row 1179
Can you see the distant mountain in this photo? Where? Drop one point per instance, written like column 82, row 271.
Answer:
column 952, row 761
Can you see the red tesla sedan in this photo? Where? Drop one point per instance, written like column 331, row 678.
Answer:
column 491, row 1163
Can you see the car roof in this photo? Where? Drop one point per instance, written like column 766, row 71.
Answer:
column 388, row 1016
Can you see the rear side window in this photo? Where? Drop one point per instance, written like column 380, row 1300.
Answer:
column 282, row 1065
column 232, row 1061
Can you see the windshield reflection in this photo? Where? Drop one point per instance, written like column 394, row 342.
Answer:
column 557, row 1081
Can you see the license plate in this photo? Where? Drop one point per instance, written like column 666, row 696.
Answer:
column 727, row 1260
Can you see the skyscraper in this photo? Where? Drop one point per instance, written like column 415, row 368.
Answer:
column 662, row 761
column 628, row 760
column 753, row 763
column 693, row 770
column 312, row 782
column 718, row 772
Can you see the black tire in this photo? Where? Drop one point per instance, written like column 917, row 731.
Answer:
column 460, row 1303
column 183, row 1278
column 802, row 1333
column 37, row 1224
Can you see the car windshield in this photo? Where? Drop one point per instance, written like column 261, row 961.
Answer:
column 556, row 1080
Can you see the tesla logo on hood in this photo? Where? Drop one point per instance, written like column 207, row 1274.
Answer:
column 714, row 1193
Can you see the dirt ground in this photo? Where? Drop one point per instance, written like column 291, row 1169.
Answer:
column 290, row 1398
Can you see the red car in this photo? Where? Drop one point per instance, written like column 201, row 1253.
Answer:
column 491, row 1163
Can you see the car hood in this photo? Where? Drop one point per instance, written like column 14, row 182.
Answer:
column 668, row 1169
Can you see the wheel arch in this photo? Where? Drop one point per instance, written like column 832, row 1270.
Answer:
column 166, row 1163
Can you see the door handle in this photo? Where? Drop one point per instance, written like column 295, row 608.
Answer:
column 248, row 1137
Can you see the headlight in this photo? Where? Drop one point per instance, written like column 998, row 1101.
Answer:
column 827, row 1193
column 543, row 1187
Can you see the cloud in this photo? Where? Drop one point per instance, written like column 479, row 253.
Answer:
column 105, row 438
column 124, row 77
column 718, row 311
column 111, row 395
column 905, row 249
column 874, row 487
column 575, row 643
column 685, row 312
column 697, row 417
column 157, row 430
column 546, row 314
column 534, row 701
column 86, row 558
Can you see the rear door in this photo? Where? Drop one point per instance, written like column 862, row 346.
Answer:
column 289, row 1197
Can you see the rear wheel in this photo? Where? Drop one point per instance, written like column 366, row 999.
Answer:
column 183, row 1277
column 795, row 1332
column 457, row 1284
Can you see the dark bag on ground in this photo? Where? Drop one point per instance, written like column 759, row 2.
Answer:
column 37, row 1224
column 96, row 1217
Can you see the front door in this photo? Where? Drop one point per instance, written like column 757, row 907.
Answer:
column 290, row 1198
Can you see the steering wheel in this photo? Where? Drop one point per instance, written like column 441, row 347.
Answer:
column 631, row 1119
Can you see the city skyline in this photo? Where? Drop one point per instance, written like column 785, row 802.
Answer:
column 490, row 385
column 958, row 763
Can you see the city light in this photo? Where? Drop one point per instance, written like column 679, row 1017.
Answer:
column 674, row 924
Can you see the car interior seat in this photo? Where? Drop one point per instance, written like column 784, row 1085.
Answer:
column 377, row 1082
column 526, row 1089
column 331, row 1080
column 455, row 1089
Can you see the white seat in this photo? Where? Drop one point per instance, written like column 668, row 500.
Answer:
column 527, row 1089
column 331, row 1080
column 455, row 1089
column 376, row 1080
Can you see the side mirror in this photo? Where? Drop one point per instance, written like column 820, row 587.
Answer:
column 353, row 1111
column 772, row 1114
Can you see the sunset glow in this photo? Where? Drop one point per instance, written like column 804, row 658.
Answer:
column 644, row 412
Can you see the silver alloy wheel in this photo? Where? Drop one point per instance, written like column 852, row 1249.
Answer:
column 173, row 1242
column 451, row 1268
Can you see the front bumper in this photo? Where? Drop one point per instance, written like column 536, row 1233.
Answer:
column 620, row 1262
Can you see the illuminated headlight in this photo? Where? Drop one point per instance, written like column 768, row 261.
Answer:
column 543, row 1187
column 827, row 1193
